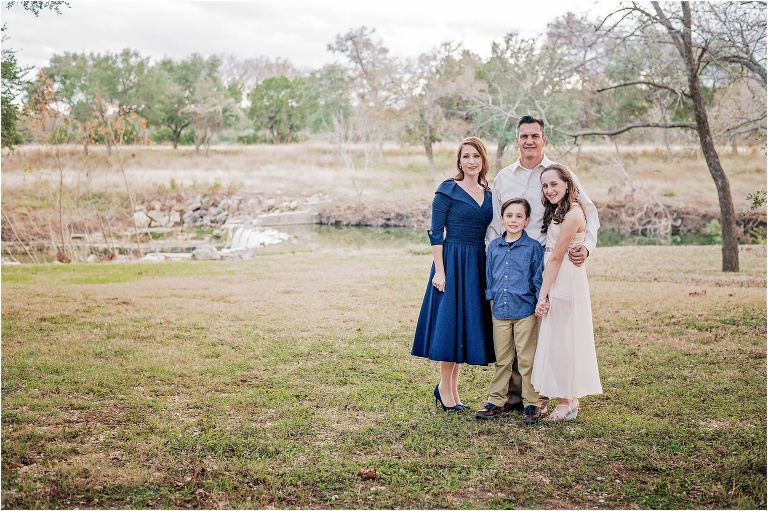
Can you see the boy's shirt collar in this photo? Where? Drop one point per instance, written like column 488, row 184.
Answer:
column 501, row 240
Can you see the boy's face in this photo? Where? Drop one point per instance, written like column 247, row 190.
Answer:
column 514, row 219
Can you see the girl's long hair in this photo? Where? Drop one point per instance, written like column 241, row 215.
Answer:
column 556, row 212
column 477, row 144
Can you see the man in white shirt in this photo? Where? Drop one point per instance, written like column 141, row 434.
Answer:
column 523, row 179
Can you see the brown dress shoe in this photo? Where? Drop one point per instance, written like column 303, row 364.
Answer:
column 491, row 411
column 531, row 414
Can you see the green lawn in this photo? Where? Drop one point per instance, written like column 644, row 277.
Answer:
column 273, row 382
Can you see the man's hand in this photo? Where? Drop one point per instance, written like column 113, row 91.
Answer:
column 578, row 255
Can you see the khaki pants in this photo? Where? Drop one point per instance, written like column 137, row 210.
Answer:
column 514, row 341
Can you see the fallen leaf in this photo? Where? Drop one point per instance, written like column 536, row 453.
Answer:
column 367, row 473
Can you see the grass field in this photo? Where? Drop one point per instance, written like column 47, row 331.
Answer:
column 271, row 383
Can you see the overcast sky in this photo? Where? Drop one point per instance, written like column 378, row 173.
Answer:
column 297, row 30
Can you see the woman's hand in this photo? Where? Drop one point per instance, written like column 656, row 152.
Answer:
column 439, row 281
column 542, row 308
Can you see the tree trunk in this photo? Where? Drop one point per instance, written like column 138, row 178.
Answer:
column 500, row 149
column 730, row 248
column 431, row 158
column 176, row 137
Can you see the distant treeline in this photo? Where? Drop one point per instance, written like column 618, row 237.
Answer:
column 587, row 80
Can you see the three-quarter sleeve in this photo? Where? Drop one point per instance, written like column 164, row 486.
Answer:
column 440, row 206
column 489, row 292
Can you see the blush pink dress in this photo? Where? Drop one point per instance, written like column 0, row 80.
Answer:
column 565, row 364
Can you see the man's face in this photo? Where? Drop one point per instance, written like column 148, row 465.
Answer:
column 530, row 141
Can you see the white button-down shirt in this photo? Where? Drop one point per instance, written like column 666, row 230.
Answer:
column 517, row 181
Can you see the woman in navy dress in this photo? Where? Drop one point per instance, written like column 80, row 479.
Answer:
column 455, row 320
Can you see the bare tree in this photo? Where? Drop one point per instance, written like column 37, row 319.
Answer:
column 374, row 68
column 714, row 41
column 523, row 76
column 426, row 89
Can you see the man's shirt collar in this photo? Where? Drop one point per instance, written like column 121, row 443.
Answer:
column 545, row 162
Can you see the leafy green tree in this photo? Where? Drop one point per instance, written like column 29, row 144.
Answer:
column 98, row 89
column 171, row 89
column 12, row 85
column 327, row 96
column 279, row 106
column 70, row 74
column 37, row 7
column 212, row 108
column 13, row 77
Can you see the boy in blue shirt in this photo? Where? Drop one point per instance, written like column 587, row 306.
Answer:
column 513, row 277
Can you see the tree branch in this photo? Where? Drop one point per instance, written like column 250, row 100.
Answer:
column 644, row 82
column 673, row 32
column 618, row 131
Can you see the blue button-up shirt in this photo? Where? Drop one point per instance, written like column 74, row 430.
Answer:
column 513, row 276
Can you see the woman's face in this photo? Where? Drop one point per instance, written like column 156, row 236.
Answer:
column 552, row 186
column 471, row 162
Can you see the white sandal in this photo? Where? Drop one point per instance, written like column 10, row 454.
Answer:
column 564, row 412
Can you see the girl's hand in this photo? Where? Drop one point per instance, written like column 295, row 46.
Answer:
column 439, row 281
column 542, row 308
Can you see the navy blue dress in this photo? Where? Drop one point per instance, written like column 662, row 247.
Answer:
column 455, row 325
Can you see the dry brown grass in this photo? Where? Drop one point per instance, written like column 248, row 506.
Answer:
column 403, row 174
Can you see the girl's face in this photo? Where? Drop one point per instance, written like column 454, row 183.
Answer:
column 552, row 186
column 471, row 162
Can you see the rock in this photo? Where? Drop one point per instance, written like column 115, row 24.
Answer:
column 206, row 253
column 195, row 206
column 93, row 258
column 141, row 219
column 174, row 218
column 158, row 217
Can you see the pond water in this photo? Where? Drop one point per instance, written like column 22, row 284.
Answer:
column 302, row 238
column 360, row 237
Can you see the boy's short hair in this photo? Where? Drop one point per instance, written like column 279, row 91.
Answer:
column 517, row 200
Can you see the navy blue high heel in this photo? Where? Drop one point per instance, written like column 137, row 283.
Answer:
column 456, row 408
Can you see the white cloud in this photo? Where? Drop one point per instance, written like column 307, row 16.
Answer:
column 297, row 30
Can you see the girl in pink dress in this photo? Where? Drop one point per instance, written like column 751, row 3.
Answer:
column 565, row 364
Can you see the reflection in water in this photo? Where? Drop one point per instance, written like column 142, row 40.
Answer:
column 326, row 237
column 329, row 236
column 614, row 239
